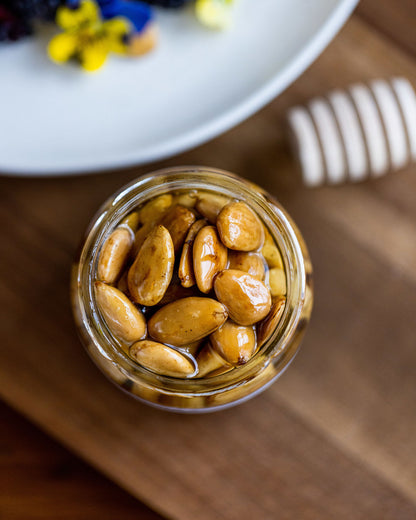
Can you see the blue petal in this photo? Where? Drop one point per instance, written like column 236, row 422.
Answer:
column 139, row 13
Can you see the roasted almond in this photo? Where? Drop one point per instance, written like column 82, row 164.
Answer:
column 186, row 269
column 249, row 262
column 151, row 272
column 239, row 227
column 155, row 209
column 176, row 291
column 114, row 254
column 209, row 361
column 193, row 348
column 210, row 205
column 186, row 199
column 270, row 251
column 234, row 343
column 277, row 281
column 177, row 221
column 132, row 220
column 161, row 359
column 210, row 257
column 184, row 321
column 247, row 299
column 122, row 284
column 140, row 237
column 123, row 319
column 270, row 322
column 150, row 216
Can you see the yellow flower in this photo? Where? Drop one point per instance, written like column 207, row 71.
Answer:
column 62, row 47
column 116, row 31
column 86, row 37
column 215, row 14
column 72, row 18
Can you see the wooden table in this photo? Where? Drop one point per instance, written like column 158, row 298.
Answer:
column 334, row 438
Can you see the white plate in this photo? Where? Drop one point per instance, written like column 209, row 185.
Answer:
column 196, row 84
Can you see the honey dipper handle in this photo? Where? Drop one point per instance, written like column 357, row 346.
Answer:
column 352, row 134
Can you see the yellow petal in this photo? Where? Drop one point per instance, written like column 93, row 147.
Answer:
column 114, row 32
column 86, row 13
column 117, row 26
column 62, row 47
column 215, row 14
column 93, row 56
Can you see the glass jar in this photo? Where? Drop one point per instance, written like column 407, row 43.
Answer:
column 209, row 393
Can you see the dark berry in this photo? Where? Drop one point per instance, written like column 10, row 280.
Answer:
column 32, row 9
column 11, row 27
column 72, row 4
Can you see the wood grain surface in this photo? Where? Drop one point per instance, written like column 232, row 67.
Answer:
column 335, row 437
column 39, row 480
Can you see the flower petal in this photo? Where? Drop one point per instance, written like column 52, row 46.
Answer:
column 115, row 32
column 139, row 13
column 93, row 56
column 117, row 26
column 62, row 47
column 73, row 18
column 215, row 14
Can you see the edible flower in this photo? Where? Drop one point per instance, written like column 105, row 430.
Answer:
column 87, row 37
column 215, row 14
column 139, row 13
column 144, row 36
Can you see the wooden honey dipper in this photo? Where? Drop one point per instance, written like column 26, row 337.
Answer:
column 352, row 134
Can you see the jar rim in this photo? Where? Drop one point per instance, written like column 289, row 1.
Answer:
column 209, row 179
